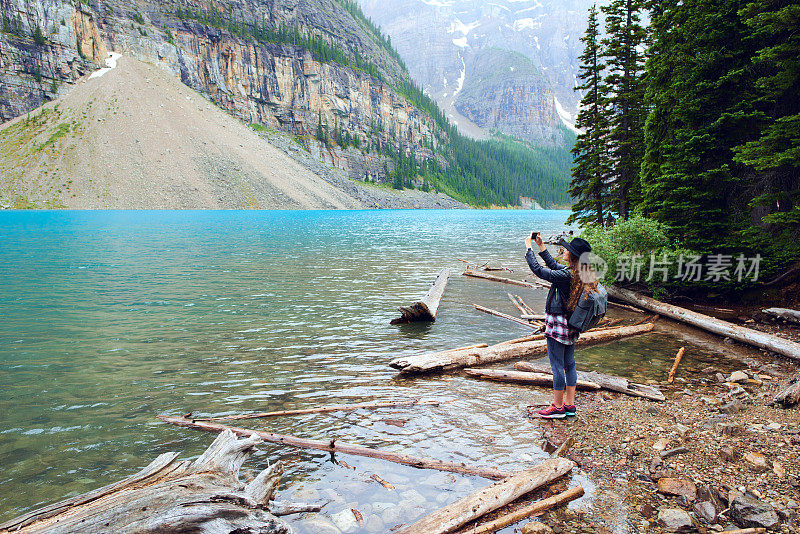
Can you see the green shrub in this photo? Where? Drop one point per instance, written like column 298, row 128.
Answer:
column 637, row 250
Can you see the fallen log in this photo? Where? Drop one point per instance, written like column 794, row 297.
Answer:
column 625, row 307
column 532, row 317
column 490, row 498
column 452, row 359
column 790, row 395
column 493, row 278
column 609, row 382
column 505, row 316
column 648, row 319
column 678, row 358
column 174, row 496
column 784, row 313
column 425, row 309
column 518, row 377
column 534, row 337
column 334, row 446
column 524, row 305
column 533, row 509
column 517, row 304
column 717, row 326
column 324, row 409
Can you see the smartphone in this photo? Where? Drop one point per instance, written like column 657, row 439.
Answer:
column 533, row 235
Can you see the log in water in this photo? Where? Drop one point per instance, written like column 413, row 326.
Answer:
column 425, row 309
column 345, row 448
column 453, row 359
column 490, row 498
column 609, row 382
column 173, row 496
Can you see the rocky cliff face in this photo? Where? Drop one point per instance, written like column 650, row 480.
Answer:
column 35, row 64
column 505, row 91
column 456, row 34
column 269, row 83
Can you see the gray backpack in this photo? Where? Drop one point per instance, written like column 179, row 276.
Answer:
column 589, row 310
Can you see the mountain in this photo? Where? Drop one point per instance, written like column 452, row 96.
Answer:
column 463, row 40
column 137, row 138
column 318, row 70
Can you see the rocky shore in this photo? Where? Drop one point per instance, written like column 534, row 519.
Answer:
column 716, row 456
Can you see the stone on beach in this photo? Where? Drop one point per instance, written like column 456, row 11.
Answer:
column 678, row 486
column 536, row 527
column 747, row 511
column 674, row 519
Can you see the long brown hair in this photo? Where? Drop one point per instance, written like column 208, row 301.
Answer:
column 584, row 280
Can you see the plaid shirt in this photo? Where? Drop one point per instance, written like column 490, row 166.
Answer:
column 556, row 327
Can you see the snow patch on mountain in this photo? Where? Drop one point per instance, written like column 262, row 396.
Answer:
column 566, row 116
column 460, row 27
column 521, row 24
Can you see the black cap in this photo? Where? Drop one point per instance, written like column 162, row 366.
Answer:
column 577, row 246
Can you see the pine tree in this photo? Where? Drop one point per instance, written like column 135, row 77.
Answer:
column 591, row 159
column 625, row 89
column 699, row 97
column 38, row 35
column 775, row 152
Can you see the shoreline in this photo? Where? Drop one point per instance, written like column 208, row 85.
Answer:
column 734, row 441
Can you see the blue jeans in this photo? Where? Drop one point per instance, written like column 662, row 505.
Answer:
column 562, row 362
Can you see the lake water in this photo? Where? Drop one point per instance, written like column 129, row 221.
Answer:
column 109, row 318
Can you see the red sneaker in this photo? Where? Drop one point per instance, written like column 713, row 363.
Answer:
column 552, row 412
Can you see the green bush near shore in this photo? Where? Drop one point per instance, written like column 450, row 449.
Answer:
column 637, row 250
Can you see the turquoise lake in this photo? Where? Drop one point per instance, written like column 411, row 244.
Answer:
column 109, row 318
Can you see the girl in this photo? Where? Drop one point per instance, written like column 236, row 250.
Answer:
column 568, row 282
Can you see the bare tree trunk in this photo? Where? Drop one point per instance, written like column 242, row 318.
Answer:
column 425, row 309
column 334, row 446
column 453, row 359
column 493, row 278
column 520, row 377
column 716, row 326
column 609, row 382
column 784, row 313
column 527, row 511
column 490, row 498
column 325, row 409
column 172, row 496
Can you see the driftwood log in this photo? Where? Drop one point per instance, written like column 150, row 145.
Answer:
column 790, row 395
column 334, row 446
column 174, row 496
column 609, row 382
column 717, row 326
column 784, row 313
column 425, row 309
column 536, row 508
column 493, row 278
column 506, row 316
column 490, row 498
column 453, row 359
column 520, row 377
column 325, row 409
column 675, row 364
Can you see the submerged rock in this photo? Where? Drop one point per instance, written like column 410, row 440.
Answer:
column 345, row 520
column 319, row 525
column 747, row 511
